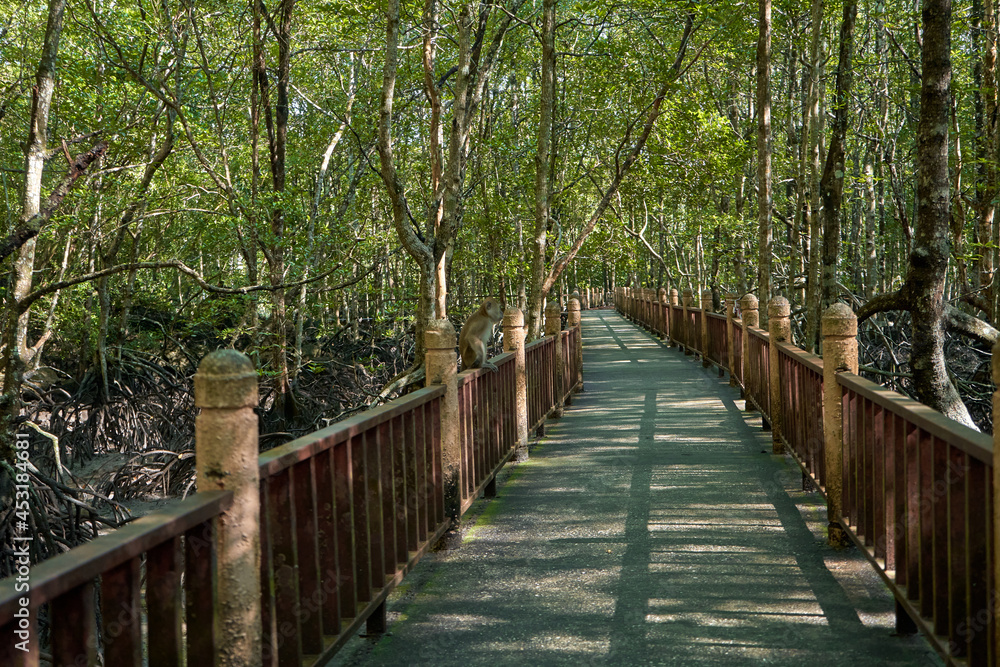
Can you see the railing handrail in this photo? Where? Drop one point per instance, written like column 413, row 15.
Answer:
column 83, row 563
column 472, row 373
column 539, row 342
column 285, row 456
column 811, row 361
column 970, row 441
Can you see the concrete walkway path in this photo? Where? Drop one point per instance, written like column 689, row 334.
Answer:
column 651, row 526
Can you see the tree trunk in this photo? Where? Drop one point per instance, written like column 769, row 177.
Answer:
column 813, row 309
column 542, row 158
column 929, row 257
column 17, row 334
column 764, row 154
column 832, row 184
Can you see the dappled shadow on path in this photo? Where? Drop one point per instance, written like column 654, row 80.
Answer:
column 648, row 528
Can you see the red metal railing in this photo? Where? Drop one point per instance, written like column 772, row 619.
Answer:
column 802, row 398
column 718, row 341
column 694, row 330
column 488, row 431
column 757, row 368
column 540, row 363
column 917, row 495
column 738, row 352
column 677, row 325
column 345, row 512
column 570, row 342
column 164, row 558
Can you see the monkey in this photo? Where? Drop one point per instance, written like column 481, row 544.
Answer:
column 476, row 333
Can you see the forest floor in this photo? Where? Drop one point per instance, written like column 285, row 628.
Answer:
column 651, row 526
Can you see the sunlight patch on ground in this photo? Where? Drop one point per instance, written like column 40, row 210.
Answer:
column 561, row 643
column 674, row 527
column 466, row 619
column 686, row 405
column 751, row 619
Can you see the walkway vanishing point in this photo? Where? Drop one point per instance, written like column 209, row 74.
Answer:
column 651, row 526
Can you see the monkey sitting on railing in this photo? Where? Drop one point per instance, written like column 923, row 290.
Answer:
column 476, row 333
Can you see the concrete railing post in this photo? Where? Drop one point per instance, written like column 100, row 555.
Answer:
column 513, row 341
column 687, row 336
column 748, row 306
column 441, row 362
column 226, row 451
column 780, row 327
column 840, row 353
column 706, row 308
column 674, row 326
column 662, row 318
column 730, row 342
column 553, row 327
column 573, row 320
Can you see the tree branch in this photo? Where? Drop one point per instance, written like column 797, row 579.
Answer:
column 884, row 302
column 957, row 321
column 31, row 227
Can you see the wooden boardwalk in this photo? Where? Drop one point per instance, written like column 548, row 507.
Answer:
column 651, row 526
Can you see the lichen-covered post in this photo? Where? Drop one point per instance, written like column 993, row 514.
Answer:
column 553, row 327
column 748, row 305
column 687, row 337
column 706, row 308
column 441, row 363
column 574, row 321
column 226, row 451
column 780, row 327
column 513, row 341
column 840, row 353
column 730, row 340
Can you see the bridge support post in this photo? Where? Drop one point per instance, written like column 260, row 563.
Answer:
column 513, row 341
column 706, row 307
column 779, row 323
column 751, row 318
column 553, row 327
column 573, row 321
column 840, row 353
column 226, row 451
column 441, row 363
column 730, row 342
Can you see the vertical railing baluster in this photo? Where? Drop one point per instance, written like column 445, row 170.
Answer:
column 199, row 595
column 328, row 583
column 164, row 608
column 120, row 615
column 349, row 553
column 76, row 611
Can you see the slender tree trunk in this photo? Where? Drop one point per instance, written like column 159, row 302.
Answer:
column 16, row 348
column 871, row 228
column 764, row 155
column 542, row 158
column 832, row 184
column 987, row 146
column 813, row 306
